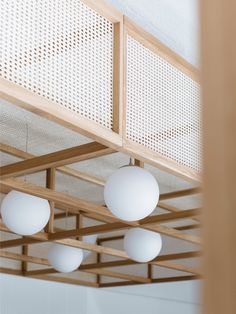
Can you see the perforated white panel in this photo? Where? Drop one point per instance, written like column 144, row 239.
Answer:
column 163, row 107
column 61, row 50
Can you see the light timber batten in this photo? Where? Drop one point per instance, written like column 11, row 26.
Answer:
column 56, row 159
column 66, row 170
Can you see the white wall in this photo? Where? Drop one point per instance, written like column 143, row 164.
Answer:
column 20, row 295
column 175, row 23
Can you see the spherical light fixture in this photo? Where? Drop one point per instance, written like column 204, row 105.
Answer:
column 131, row 193
column 24, row 214
column 65, row 259
column 89, row 239
column 142, row 245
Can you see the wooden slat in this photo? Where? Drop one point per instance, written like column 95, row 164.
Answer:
column 24, row 258
column 68, row 201
column 10, row 271
column 181, row 193
column 93, row 247
column 161, row 258
column 105, row 9
column 113, row 274
column 64, row 169
column 67, row 280
column 177, row 266
column 56, row 159
column 155, row 280
column 117, row 77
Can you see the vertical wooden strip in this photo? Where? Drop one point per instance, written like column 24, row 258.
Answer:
column 23, row 263
column 50, row 184
column 138, row 163
column 124, row 89
column 219, row 118
column 98, row 261
column 79, row 224
column 117, row 77
column 150, row 269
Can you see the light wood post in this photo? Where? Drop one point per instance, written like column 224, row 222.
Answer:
column 219, row 116
column 50, row 184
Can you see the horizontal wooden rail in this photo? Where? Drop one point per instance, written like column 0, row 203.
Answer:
column 56, row 159
column 161, row 258
column 64, row 169
column 155, row 280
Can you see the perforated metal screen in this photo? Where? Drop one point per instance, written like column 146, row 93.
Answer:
column 163, row 107
column 61, row 50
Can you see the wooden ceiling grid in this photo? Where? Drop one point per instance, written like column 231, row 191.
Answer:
column 106, row 142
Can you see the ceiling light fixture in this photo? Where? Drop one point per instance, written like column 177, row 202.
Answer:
column 142, row 245
column 131, row 193
column 65, row 259
column 24, row 214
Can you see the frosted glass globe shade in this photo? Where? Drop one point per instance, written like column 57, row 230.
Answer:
column 89, row 239
column 24, row 214
column 131, row 193
column 142, row 245
column 65, row 259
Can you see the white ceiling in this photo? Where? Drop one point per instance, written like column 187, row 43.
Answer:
column 175, row 23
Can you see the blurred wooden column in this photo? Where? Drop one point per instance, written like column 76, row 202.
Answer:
column 218, row 21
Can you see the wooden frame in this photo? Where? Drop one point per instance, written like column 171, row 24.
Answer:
column 112, row 138
column 106, row 142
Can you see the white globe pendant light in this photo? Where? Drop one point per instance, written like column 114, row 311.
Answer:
column 142, row 245
column 24, row 214
column 65, row 259
column 89, row 239
column 131, row 193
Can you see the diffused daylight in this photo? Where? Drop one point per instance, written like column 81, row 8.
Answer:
column 117, row 157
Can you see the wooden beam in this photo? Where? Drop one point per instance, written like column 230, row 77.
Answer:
column 56, row 159
column 73, row 203
column 64, row 169
column 121, row 237
column 161, row 258
column 93, row 247
column 24, row 258
column 67, row 280
column 181, row 193
column 155, row 280
column 113, row 274
column 117, row 77
column 10, row 271
column 177, row 266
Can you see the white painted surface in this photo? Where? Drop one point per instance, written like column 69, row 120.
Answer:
column 30, row 296
column 175, row 23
